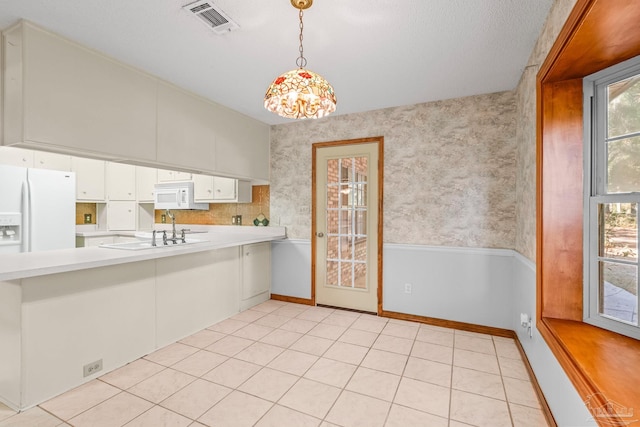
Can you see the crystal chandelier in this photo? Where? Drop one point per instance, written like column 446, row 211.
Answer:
column 300, row 93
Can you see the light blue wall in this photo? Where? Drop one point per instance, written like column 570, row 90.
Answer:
column 488, row 287
column 566, row 404
column 461, row 284
column 291, row 268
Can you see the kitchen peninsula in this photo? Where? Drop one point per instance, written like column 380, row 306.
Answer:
column 63, row 310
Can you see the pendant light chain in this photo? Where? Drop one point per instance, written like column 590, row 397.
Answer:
column 301, row 62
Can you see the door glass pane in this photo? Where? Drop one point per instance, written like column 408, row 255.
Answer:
column 346, row 251
column 333, row 223
column 623, row 107
column 618, row 291
column 346, row 223
column 361, row 249
column 618, row 231
column 333, row 196
column 623, row 165
column 332, row 273
column 332, row 247
column 333, row 171
column 346, row 276
column 360, row 276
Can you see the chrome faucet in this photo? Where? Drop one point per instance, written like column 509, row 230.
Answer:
column 173, row 225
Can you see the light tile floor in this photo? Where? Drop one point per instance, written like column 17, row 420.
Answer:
column 281, row 364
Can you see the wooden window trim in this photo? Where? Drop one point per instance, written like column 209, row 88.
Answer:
column 600, row 363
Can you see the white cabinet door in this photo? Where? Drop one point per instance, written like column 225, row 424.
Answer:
column 121, row 181
column 55, row 161
column 121, row 215
column 146, row 179
column 224, row 189
column 90, row 179
column 14, row 156
column 76, row 98
column 165, row 175
column 216, row 189
column 202, row 188
column 242, row 146
column 256, row 269
column 186, row 131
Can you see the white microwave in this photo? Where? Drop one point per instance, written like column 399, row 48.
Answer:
column 176, row 195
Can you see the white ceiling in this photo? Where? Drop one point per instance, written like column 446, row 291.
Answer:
column 375, row 53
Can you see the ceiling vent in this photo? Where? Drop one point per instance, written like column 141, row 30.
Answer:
column 214, row 18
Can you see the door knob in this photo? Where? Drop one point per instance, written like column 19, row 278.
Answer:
column 320, row 234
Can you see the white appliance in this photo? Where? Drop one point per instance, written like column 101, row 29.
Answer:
column 176, row 195
column 37, row 210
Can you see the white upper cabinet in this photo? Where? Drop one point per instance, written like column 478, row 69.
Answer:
column 121, row 181
column 216, row 189
column 186, row 130
column 165, row 175
column 146, row 179
column 55, row 161
column 67, row 96
column 16, row 157
column 242, row 146
column 90, row 179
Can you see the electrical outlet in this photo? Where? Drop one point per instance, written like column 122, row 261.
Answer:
column 163, row 218
column 87, row 218
column 92, row 368
column 407, row 288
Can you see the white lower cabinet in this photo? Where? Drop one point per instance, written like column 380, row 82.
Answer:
column 86, row 242
column 256, row 274
column 121, row 215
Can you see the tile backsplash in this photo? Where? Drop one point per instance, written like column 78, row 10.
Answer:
column 221, row 213
column 85, row 208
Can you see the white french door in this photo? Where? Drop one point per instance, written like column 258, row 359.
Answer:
column 346, row 224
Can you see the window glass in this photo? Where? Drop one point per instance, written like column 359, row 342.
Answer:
column 612, row 192
column 623, row 107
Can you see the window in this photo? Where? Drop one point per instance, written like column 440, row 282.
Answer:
column 612, row 197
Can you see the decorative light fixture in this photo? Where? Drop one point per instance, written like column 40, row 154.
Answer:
column 300, row 93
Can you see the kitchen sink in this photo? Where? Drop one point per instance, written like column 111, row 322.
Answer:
column 146, row 244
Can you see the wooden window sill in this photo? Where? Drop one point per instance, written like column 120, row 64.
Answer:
column 597, row 360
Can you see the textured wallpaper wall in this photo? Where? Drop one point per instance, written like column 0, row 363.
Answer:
column 526, row 131
column 449, row 170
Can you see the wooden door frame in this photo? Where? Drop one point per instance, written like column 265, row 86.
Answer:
column 380, row 141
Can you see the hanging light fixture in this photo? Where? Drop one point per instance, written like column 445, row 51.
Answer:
column 300, row 93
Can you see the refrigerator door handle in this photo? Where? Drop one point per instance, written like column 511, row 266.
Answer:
column 26, row 216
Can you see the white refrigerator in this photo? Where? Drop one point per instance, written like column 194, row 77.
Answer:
column 37, row 209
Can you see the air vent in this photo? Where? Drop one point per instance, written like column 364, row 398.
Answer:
column 214, row 18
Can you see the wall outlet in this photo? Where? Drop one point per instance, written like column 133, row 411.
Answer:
column 163, row 218
column 407, row 288
column 87, row 218
column 92, row 368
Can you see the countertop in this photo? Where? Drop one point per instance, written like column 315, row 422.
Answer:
column 23, row 265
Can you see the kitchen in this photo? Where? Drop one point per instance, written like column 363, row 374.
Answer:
column 496, row 247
